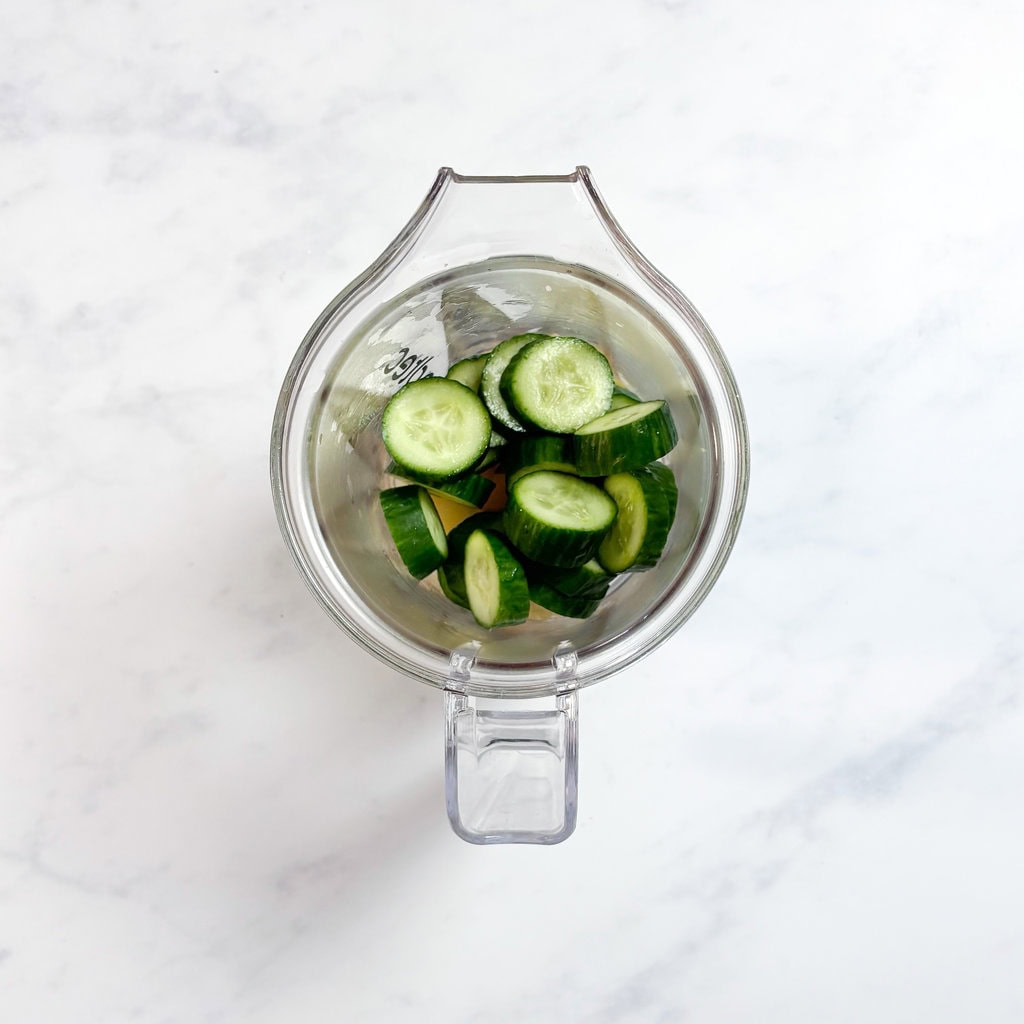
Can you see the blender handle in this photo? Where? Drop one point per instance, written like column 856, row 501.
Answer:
column 511, row 775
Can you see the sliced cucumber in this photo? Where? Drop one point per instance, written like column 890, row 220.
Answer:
column 488, row 459
column 625, row 439
column 669, row 488
column 621, row 397
column 590, row 580
column 470, row 489
column 490, row 381
column 451, row 573
column 468, row 371
column 436, row 428
column 638, row 536
column 562, row 604
column 557, row 384
column 415, row 528
column 453, row 584
column 538, row 451
column 557, row 519
column 496, row 585
column 540, row 414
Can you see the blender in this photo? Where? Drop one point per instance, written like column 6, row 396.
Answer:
column 483, row 259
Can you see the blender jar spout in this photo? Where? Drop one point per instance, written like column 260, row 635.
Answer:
column 465, row 218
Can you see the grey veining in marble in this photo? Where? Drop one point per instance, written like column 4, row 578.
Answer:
column 807, row 806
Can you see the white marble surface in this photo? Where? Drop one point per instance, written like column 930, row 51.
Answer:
column 806, row 807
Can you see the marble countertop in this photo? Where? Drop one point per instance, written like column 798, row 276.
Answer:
column 807, row 806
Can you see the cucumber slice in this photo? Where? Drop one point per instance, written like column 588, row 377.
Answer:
column 489, row 458
column 562, row 604
column 590, row 580
column 621, row 397
column 471, row 489
column 451, row 573
column 415, row 528
column 495, row 582
column 557, row 384
column 557, row 519
column 490, row 381
column 468, row 371
column 538, row 451
column 453, row 585
column 667, row 479
column 637, row 538
column 625, row 439
column 436, row 428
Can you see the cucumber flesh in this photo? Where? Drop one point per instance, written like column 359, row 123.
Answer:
column 468, row 371
column 490, row 381
column 624, row 439
column 415, row 527
column 451, row 573
column 557, row 519
column 557, row 384
column 436, row 428
column 496, row 585
column 622, row 397
column 637, row 537
column 434, row 524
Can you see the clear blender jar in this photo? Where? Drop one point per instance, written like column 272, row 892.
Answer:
column 483, row 259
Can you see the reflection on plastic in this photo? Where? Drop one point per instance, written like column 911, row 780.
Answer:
column 511, row 776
